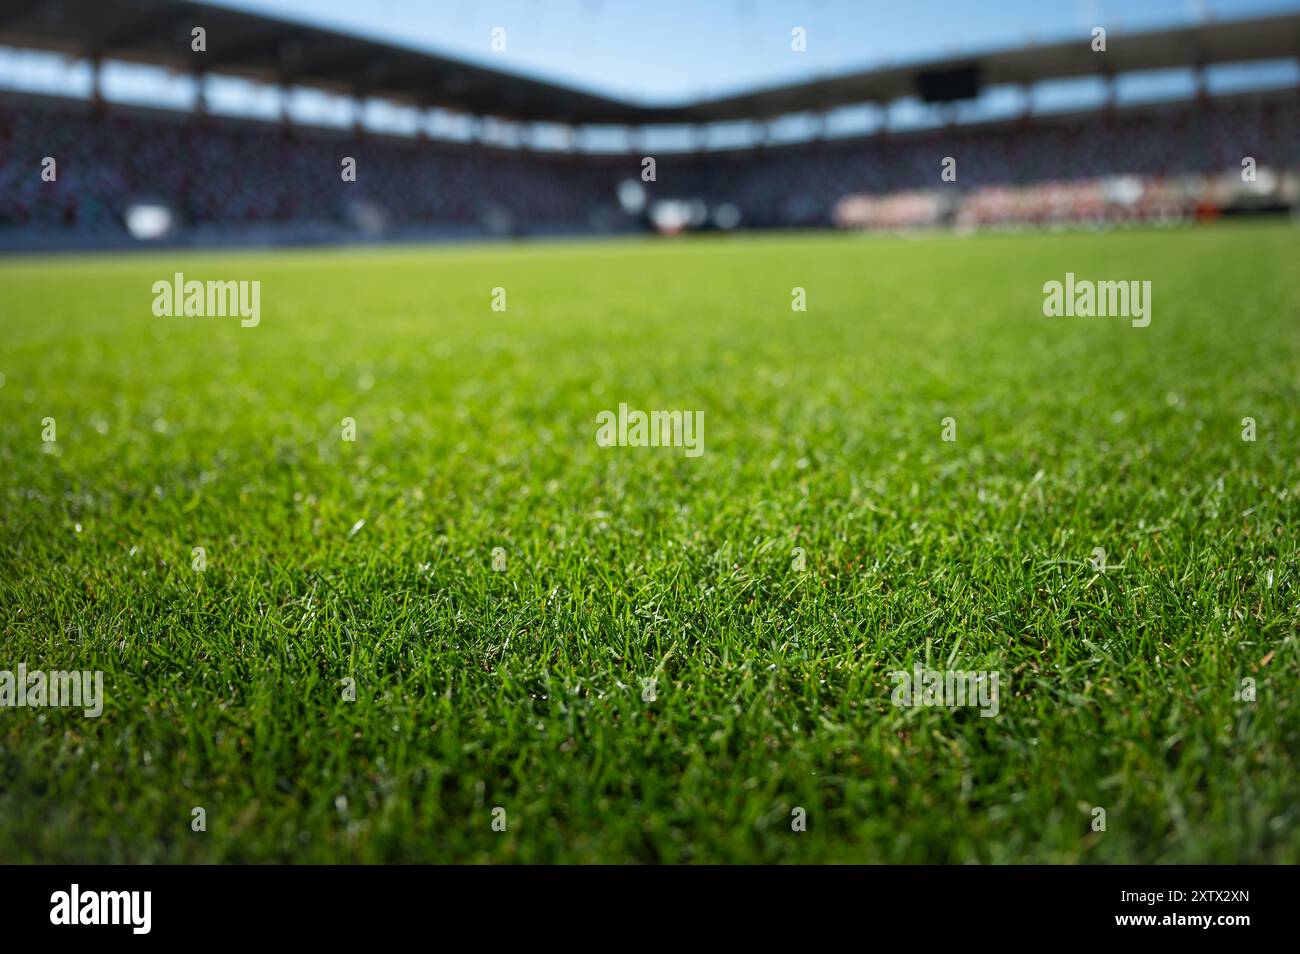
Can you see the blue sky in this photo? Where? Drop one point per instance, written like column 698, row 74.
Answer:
column 663, row 50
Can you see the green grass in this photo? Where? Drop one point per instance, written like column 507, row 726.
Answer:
column 522, row 688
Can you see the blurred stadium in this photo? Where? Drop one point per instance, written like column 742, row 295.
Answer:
column 518, row 165
column 363, row 578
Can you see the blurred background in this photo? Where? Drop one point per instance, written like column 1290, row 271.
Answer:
column 532, row 119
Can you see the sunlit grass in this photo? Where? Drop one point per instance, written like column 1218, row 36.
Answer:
column 372, row 561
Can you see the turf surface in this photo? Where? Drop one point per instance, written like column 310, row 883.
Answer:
column 524, row 689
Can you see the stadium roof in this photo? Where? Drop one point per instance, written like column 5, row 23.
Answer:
column 1232, row 41
column 281, row 51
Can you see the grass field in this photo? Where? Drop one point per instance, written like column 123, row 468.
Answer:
column 523, row 689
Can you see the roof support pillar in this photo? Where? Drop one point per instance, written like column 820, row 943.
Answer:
column 282, row 95
column 202, row 106
column 97, row 85
column 1202, row 73
column 358, row 114
column 819, row 126
column 699, row 136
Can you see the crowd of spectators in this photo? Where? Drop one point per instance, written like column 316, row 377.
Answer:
column 217, row 172
column 1037, row 161
column 238, row 174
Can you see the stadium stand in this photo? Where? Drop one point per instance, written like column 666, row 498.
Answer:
column 234, row 180
column 222, row 173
